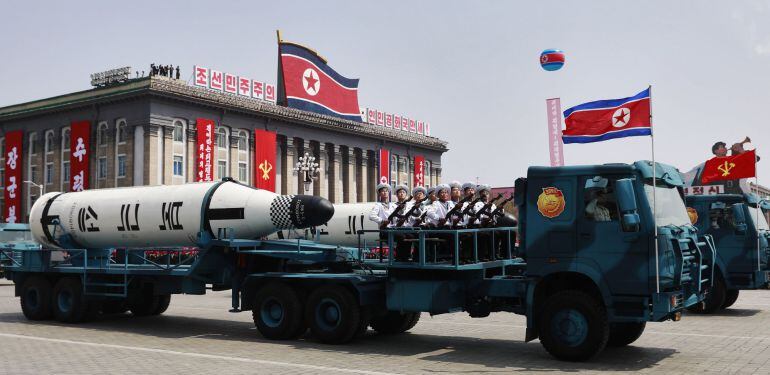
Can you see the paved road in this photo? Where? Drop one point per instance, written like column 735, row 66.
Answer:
column 198, row 336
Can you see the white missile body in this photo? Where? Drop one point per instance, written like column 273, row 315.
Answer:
column 169, row 215
column 341, row 229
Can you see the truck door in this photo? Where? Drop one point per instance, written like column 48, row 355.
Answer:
column 620, row 256
column 736, row 249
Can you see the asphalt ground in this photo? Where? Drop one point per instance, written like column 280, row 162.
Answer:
column 197, row 335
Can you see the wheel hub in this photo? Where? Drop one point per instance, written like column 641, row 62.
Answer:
column 272, row 313
column 570, row 327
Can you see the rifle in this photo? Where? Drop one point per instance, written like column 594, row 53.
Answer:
column 487, row 206
column 399, row 206
column 402, row 220
column 421, row 218
column 499, row 210
column 455, row 209
column 466, row 211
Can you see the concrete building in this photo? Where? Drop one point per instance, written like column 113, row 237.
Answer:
column 143, row 133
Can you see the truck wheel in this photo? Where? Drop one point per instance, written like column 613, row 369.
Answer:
column 144, row 305
column 163, row 302
column 333, row 314
column 69, row 304
column 114, row 307
column 36, row 298
column 394, row 322
column 714, row 300
column 278, row 312
column 573, row 326
column 730, row 298
column 622, row 334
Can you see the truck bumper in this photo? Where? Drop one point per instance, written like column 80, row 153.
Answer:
column 669, row 305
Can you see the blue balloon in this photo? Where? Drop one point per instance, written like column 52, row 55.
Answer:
column 552, row 59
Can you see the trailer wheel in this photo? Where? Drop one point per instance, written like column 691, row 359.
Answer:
column 730, row 298
column 36, row 298
column 163, row 302
column 394, row 322
column 573, row 326
column 69, row 304
column 714, row 300
column 333, row 314
column 622, row 334
column 278, row 312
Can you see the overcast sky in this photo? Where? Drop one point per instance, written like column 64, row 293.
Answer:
column 471, row 69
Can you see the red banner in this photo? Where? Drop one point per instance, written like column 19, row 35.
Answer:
column 555, row 145
column 264, row 160
column 205, row 167
column 730, row 167
column 419, row 171
column 13, row 165
column 384, row 176
column 80, row 141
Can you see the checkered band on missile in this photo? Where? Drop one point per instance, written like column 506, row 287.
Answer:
column 169, row 215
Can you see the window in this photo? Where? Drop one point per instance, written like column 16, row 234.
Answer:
column 33, row 173
column 222, row 138
column 243, row 141
column 243, row 175
column 65, row 139
column 32, row 142
column 426, row 170
column 49, row 141
column 101, row 135
column 178, row 168
column 121, row 165
column 600, row 203
column 121, row 130
column 222, row 169
column 49, row 173
column 65, row 172
column 394, row 170
column 102, row 170
column 2, row 148
column 178, row 131
column 2, row 177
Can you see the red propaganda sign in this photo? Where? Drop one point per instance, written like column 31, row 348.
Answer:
column 380, row 118
column 244, row 86
column 388, row 120
column 420, row 127
column 217, row 80
column 397, row 122
column 419, row 171
column 257, row 90
column 555, row 144
column 264, row 160
column 13, row 165
column 384, row 175
column 270, row 92
column 231, row 83
column 205, row 142
column 201, row 76
column 80, row 148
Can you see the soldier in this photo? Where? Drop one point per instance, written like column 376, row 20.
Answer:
column 436, row 217
column 484, row 219
column 431, row 195
column 381, row 210
column 418, row 194
column 455, row 192
column 403, row 248
column 465, row 221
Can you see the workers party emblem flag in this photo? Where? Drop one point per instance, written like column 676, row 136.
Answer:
column 311, row 85
column 551, row 202
column 608, row 119
column 730, row 167
column 264, row 159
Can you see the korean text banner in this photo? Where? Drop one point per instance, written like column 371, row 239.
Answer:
column 264, row 160
column 419, row 171
column 205, row 167
column 13, row 166
column 555, row 145
column 80, row 148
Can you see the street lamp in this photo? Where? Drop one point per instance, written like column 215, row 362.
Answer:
column 309, row 167
column 41, row 187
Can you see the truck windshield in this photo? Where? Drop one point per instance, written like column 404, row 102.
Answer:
column 755, row 214
column 670, row 209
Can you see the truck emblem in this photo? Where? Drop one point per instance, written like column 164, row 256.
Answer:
column 693, row 214
column 726, row 168
column 551, row 202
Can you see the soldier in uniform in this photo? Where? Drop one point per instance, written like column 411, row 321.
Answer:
column 431, row 195
column 381, row 211
column 437, row 218
column 483, row 220
column 403, row 248
column 454, row 192
column 467, row 220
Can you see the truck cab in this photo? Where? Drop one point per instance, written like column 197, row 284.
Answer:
column 738, row 225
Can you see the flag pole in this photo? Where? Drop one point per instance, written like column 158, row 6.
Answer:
column 654, row 200
column 759, row 201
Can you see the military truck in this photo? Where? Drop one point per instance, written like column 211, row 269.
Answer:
column 738, row 225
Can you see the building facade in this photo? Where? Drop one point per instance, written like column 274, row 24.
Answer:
column 143, row 132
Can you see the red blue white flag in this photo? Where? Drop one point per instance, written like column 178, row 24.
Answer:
column 310, row 84
column 608, row 119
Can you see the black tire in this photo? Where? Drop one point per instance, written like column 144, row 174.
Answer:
column 573, row 326
column 714, row 300
column 36, row 298
column 110, row 307
column 622, row 334
column 278, row 312
column 333, row 314
column 144, row 304
column 394, row 322
column 69, row 303
column 730, row 298
column 163, row 302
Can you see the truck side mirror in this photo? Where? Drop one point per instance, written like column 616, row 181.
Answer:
column 624, row 192
column 740, row 218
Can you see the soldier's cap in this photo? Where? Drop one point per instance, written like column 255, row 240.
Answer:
column 383, row 186
column 440, row 187
column 431, row 190
column 483, row 187
column 402, row 187
column 454, row 184
column 419, row 188
column 469, row 185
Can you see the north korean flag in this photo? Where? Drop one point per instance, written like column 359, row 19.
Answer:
column 310, row 84
column 608, row 119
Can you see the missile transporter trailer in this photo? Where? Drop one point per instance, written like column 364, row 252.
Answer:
column 585, row 283
column 739, row 228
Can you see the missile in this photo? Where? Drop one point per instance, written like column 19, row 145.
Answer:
column 169, row 215
column 341, row 229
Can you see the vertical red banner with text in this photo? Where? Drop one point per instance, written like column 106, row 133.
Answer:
column 384, row 176
column 13, row 165
column 205, row 167
column 264, row 160
column 80, row 148
column 419, row 171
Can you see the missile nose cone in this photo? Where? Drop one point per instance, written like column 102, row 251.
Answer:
column 300, row 211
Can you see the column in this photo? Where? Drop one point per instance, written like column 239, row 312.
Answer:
column 363, row 187
column 168, row 155
column 290, row 182
column 352, row 178
column 373, row 169
column 336, row 164
column 323, row 175
column 313, row 149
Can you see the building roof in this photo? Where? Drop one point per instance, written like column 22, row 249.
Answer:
column 177, row 89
